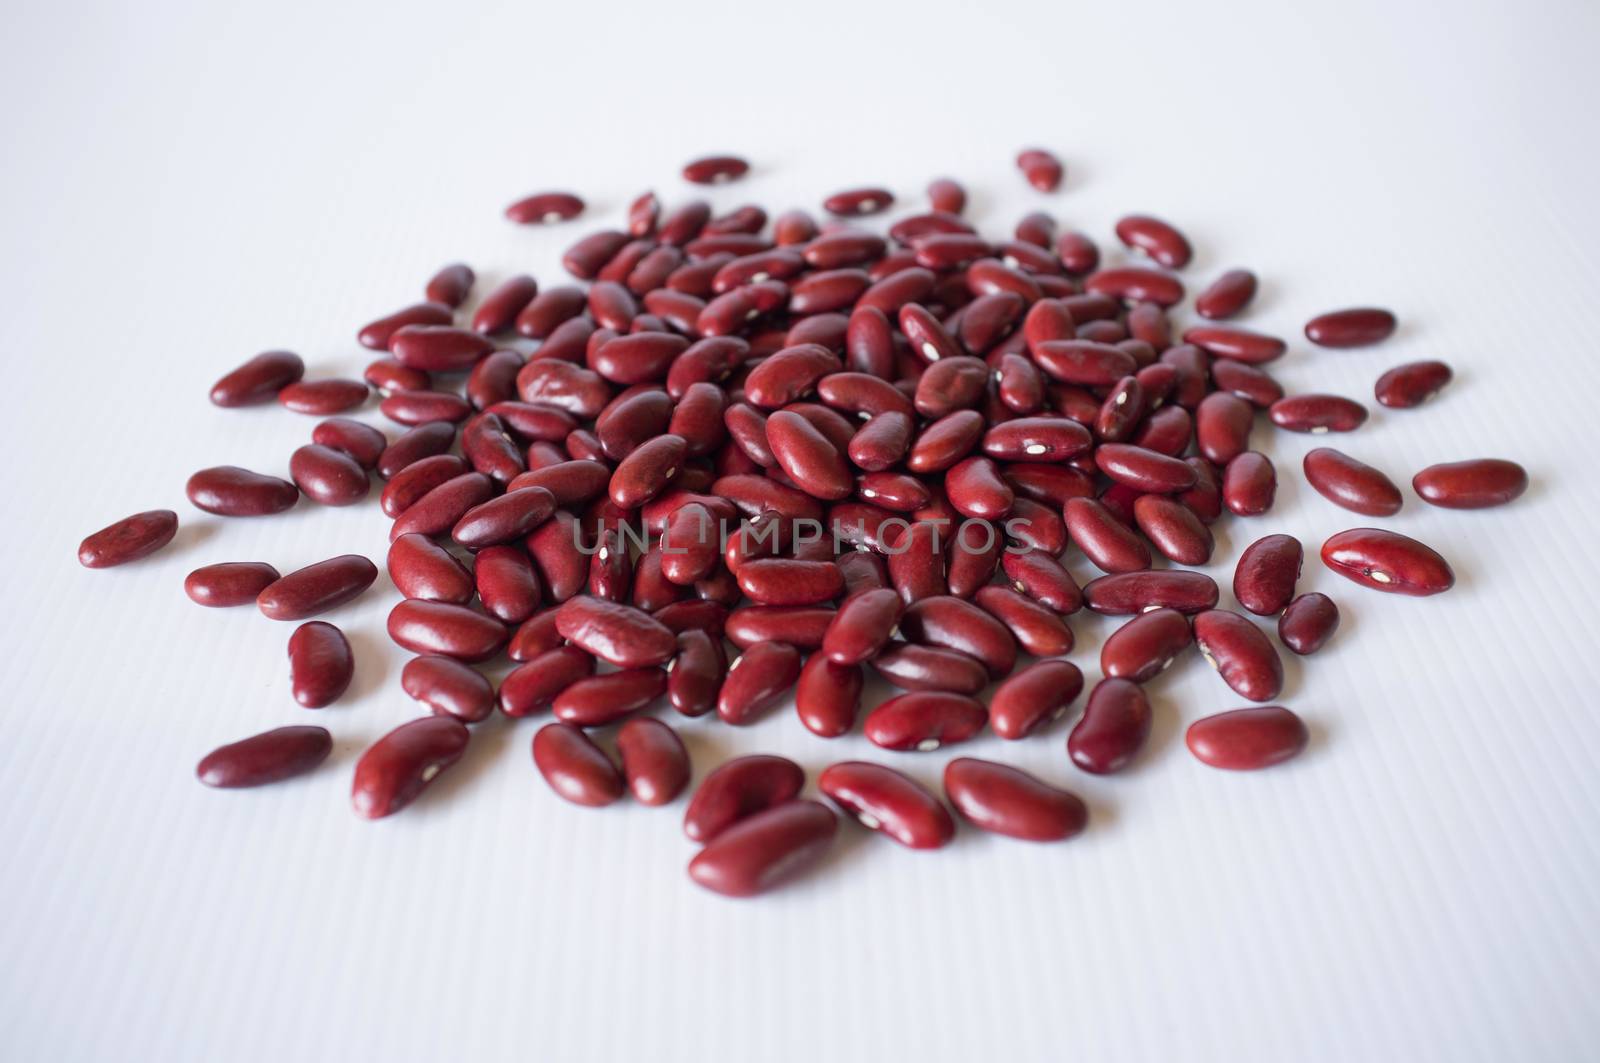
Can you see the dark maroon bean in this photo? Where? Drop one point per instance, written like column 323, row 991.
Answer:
column 1034, row 696
column 827, row 696
column 882, row 442
column 1115, row 725
column 422, row 407
column 695, row 674
column 1145, row 646
column 1037, row 439
column 1145, row 470
column 801, row 626
column 494, row 379
column 1241, row 653
column 1412, row 384
column 1136, row 285
column 761, row 675
column 545, row 208
column 438, row 348
column 1003, row 800
column 228, row 583
column 913, row 667
column 569, row 387
column 898, row 289
column 654, row 761
column 714, row 169
column 1474, row 484
column 952, row 383
column 1318, row 413
column 258, row 380
column 1136, row 592
column 328, row 476
column 786, row 581
column 1173, row 528
column 1227, row 295
column 423, row 441
column 1105, row 540
column 1036, row 228
column 1083, row 362
column 976, row 489
column 1387, row 561
column 379, row 334
column 361, row 442
column 230, row 491
column 507, row 584
column 948, row 251
column 869, row 344
column 585, row 258
column 808, row 456
column 399, row 766
column 956, row 624
column 1121, row 411
column 1249, row 484
column 1042, row 578
column 1253, row 385
column 541, row 678
column 448, row 687
column 946, row 195
column 1204, row 499
column 316, row 588
column 320, row 664
column 604, row 699
column 504, row 518
column 536, row 635
column 1049, row 484
column 281, row 753
column 1155, row 238
column 1247, row 739
column 621, row 634
column 759, row 494
column 490, row 449
column 1078, row 253
column 639, row 358
column 975, row 555
column 748, row 219
column 647, row 471
column 1308, row 623
column 1358, row 327
column 924, row 720
column 576, row 769
column 1222, row 427
column 858, row 201
column 739, row 789
column 632, row 419
column 864, row 625
column 1241, row 345
column 130, row 538
column 1041, row 168
column 437, row 511
column 946, row 441
column 765, row 850
column 1351, row 484
column 753, row 269
column 449, row 630
column 451, row 285
column 548, row 310
column 1037, row 629
column 1264, row 579
column 882, row 799
column 681, row 226
column 389, row 376
column 414, row 481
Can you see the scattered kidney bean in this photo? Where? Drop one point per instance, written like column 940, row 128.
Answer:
column 229, row 583
column 545, row 208
column 448, row 687
column 738, row 789
column 1249, row 484
column 258, row 380
column 1318, row 413
column 1264, row 579
column 230, row 491
column 766, row 849
column 363, row 443
column 1247, row 739
column 129, row 539
column 1041, row 168
column 1038, row 630
column 924, row 720
column 316, row 588
column 1033, row 697
column 1411, row 384
column 1227, row 295
column 416, row 444
column 1240, row 652
column 451, row 285
column 437, row 511
column 625, row 636
column 543, row 676
column 1388, row 561
column 1475, row 484
column 1145, row 646
column 399, row 766
column 1104, row 539
column 761, row 675
column 913, row 667
column 1115, row 725
column 323, row 397
column 1137, row 592
column 858, row 201
column 320, row 664
column 604, row 699
column 576, row 769
column 1174, row 529
column 1350, row 328
column 1155, row 238
column 445, row 629
column 1003, row 800
column 1351, row 484
column 328, row 476
column 1308, row 623
column 882, row 799
column 281, row 753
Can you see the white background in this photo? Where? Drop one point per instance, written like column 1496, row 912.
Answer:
column 188, row 183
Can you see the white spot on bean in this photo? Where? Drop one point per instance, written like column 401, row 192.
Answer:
column 868, row 820
column 927, row 745
column 1319, row 430
column 430, row 771
column 1381, row 577
column 759, row 277
column 1035, row 448
column 930, row 352
column 551, row 217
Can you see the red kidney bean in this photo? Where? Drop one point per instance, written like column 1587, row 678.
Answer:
column 1037, row 439
column 956, row 624
column 576, row 769
column 449, row 630
column 681, row 226
column 363, row 443
column 949, row 251
column 229, row 583
column 1240, row 652
column 1003, row 800
column 129, row 539
column 714, row 169
column 954, row 382
column 1204, row 499
column 924, row 720
column 1308, row 623
column 899, row 289
column 1145, row 646
column 1041, row 577
column 258, row 380
column 1351, row 484
column 974, row 558
column 1249, row 484
column 1105, row 540
column 1036, row 228
column 389, row 376
column 1222, row 427
column 1121, row 411
column 399, row 766
column 604, row 699
column 1247, row 382
column 1115, row 725
column 230, row 491
column 765, row 850
column 1227, row 295
column 1083, row 362
column 1155, row 238
column 1038, row 630
column 1247, row 739
column 1135, row 285
column 1411, row 384
column 654, row 761
column 698, row 418
column 494, row 379
column 424, row 441
column 328, row 476
column 1474, row 484
column 882, row 442
column 801, row 626
column 695, row 674
column 320, row 664
column 912, row 667
column 535, row 635
column 638, row 358
column 1019, row 384
column 1241, row 345
column 748, row 428
column 545, row 208
column 1264, row 579
column 585, row 258
column 1137, row 592
column 548, row 310
column 535, row 684
column 990, row 276
column 561, row 384
column 808, row 456
column 976, row 489
column 438, row 348
column 281, row 753
column 412, row 483
column 946, row 195
column 1034, row 696
column 946, row 441
column 827, row 696
column 786, row 581
column 316, row 588
column 760, row 676
column 825, row 330
column 1031, row 259
column 1078, row 253
column 503, row 518
column 1318, row 413
column 882, row 799
column 1041, row 168
column 379, row 334
column 759, row 494
column 422, row 407
column 642, row 214
column 863, row 625
column 507, row 584
column 611, row 568
column 1387, row 561
column 490, row 449
column 451, row 285
column 647, row 471
column 1047, row 321
column 1174, row 529
column 859, row 201
column 1145, row 470
column 739, row 789
column 621, row 634
column 1049, row 484
column 448, row 687
column 843, row 249
column 1357, row 327
column 747, row 220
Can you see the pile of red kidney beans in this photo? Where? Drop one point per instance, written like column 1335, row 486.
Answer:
column 832, row 448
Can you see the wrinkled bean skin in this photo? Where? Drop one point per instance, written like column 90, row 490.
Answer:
column 1033, row 697
column 924, row 720
column 1308, row 623
column 1388, row 561
column 316, row 588
column 281, row 753
column 448, row 687
column 621, row 634
column 1351, row 484
column 1003, row 800
column 1411, row 384
column 229, row 583
column 1145, row 646
column 447, row 630
column 1317, row 413
column 230, row 491
column 1227, row 295
column 738, row 789
column 827, row 696
column 1247, row 739
column 654, row 761
column 602, row 699
column 1264, row 579
column 258, row 380
column 882, row 799
column 1136, row 592
column 765, row 850
column 1241, row 653
column 762, row 674
column 541, row 678
column 1350, row 328
column 400, row 765
column 1478, row 483
column 320, row 664
column 576, row 769
column 129, row 539
column 1115, row 725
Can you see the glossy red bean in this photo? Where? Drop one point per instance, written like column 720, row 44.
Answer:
column 1241, row 653
column 647, row 471
column 976, row 489
column 1033, row 697
column 536, row 683
column 494, row 379
column 765, row 850
column 1136, row 592
column 1253, row 385
column 956, row 624
column 695, row 674
column 448, row 630
column 1003, row 800
column 281, row 753
column 423, row 407
column 448, row 688
column 1105, row 540
column 882, row 799
column 1227, row 295
column 451, row 285
column 1249, row 484
column 1477, row 483
column 827, row 696
column 1351, row 484
column 1136, row 285
column 621, row 634
column 228, row 583
column 863, row 625
column 129, row 539
column 924, row 720
column 1174, row 529
column 1387, row 561
column 1155, row 238
column 388, row 376
column 788, row 581
column 858, row 201
column 654, row 761
column 946, row 195
column 377, row 335
column 603, row 699
column 320, row 664
column 1041, row 577
column 328, row 476
column 1078, row 253
column 1041, row 168
column 576, row 769
column 535, row 635
column 1204, row 499
column 809, row 458
column 1356, row 327
column 1411, row 384
column 1145, row 646
column 1115, row 726
column 1037, row 439
column 913, row 667
column 1038, row 630
column 762, row 674
column 399, row 766
column 1083, row 362
column 423, row 441
column 1247, row 739
column 361, row 442
column 438, row 348
column 802, row 626
column 1222, row 427
column 258, row 380
column 507, row 584
column 1264, row 579
column 503, row 518
column 1241, row 345
column 1318, row 413
column 1145, row 470
column 230, row 491
column 585, row 258
column 545, row 208
column 316, row 588
column 714, row 169
column 739, row 789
